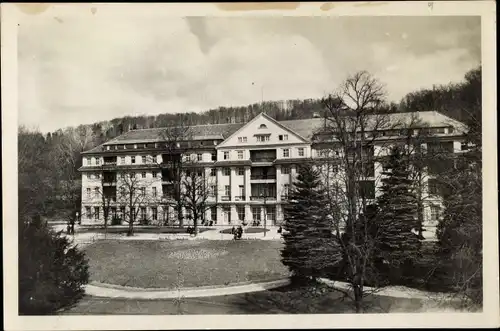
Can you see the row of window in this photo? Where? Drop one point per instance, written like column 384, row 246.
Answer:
column 141, row 212
column 213, row 172
column 160, row 145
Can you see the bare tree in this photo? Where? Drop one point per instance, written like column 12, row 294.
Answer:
column 196, row 194
column 175, row 144
column 352, row 124
column 133, row 193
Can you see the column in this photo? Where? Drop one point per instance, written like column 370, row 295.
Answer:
column 232, row 180
column 293, row 173
column 279, row 214
column 234, row 215
column 219, row 191
column 278, row 183
column 248, row 190
column 248, row 214
column 220, row 217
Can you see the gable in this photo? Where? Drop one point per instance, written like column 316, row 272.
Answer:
column 261, row 131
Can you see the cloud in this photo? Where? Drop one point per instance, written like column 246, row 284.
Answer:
column 83, row 70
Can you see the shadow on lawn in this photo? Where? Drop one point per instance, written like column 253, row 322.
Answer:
column 316, row 300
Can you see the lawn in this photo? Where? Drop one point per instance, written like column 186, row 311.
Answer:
column 284, row 300
column 184, row 263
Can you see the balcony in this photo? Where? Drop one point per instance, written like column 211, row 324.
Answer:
column 259, row 176
column 239, row 198
column 263, row 155
column 225, row 198
column 262, row 198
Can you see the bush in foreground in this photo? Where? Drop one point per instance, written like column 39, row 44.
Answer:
column 52, row 271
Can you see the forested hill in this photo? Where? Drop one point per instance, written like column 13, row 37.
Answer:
column 453, row 100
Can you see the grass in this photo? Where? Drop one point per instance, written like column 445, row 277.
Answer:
column 286, row 300
column 247, row 230
column 157, row 264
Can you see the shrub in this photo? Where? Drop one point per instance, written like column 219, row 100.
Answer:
column 52, row 271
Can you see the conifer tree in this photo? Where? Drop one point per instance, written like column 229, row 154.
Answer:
column 398, row 244
column 308, row 234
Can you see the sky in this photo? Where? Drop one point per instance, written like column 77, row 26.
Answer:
column 88, row 69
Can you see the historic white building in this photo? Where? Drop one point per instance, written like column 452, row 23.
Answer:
column 248, row 168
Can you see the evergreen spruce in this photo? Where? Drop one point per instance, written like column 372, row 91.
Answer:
column 308, row 235
column 398, row 245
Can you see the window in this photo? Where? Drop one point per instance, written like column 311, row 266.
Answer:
column 435, row 213
column 143, row 174
column 88, row 212
column 226, row 171
column 282, row 137
column 144, row 159
column 244, row 139
column 96, row 191
column 241, row 213
column 213, row 172
column 155, row 192
column 271, row 213
column 450, row 130
column 214, row 156
column 199, row 173
column 122, row 160
column 213, row 214
column 122, row 175
column 240, row 155
column 96, row 213
column 256, row 213
column 241, row 171
column 286, row 152
column 240, row 139
column 199, row 157
column 143, row 213
column 433, row 187
column 241, row 190
column 285, row 170
column 142, row 191
column 91, row 175
column 367, row 189
column 286, row 190
column 227, row 190
column 132, row 159
column 97, row 175
column 262, row 126
column 212, row 190
column 262, row 138
column 226, row 155
column 89, row 161
column 154, row 213
column 97, row 161
column 301, row 151
column 155, row 174
column 122, row 211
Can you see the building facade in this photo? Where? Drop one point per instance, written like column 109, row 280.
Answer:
column 245, row 170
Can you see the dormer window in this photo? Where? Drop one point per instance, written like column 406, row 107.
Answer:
column 262, row 137
column 262, row 126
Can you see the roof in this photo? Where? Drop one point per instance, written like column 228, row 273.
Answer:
column 305, row 128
